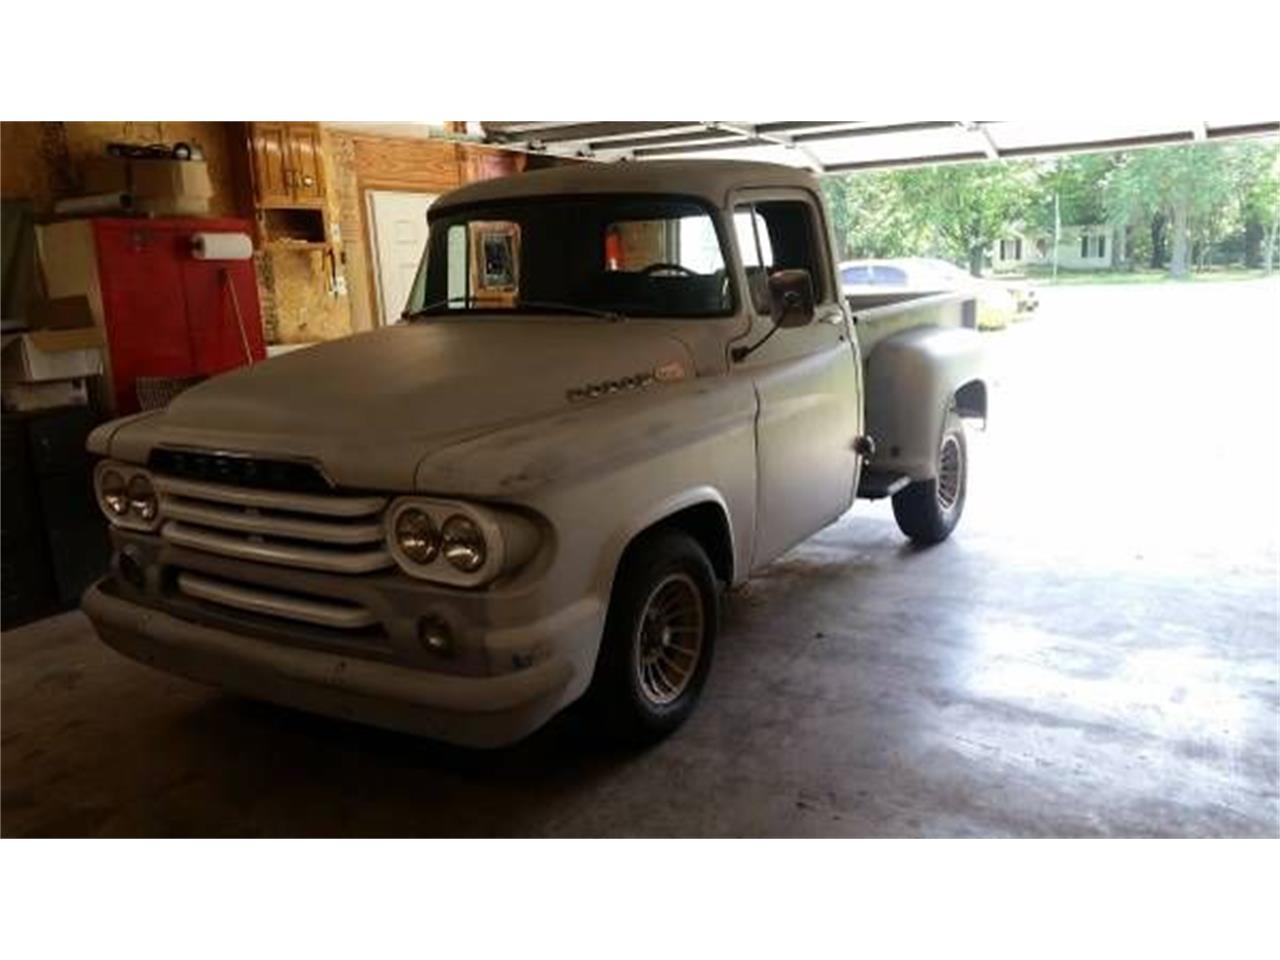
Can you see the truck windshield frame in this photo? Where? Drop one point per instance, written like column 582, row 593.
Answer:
column 619, row 255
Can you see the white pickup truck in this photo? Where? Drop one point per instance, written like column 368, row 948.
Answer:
column 616, row 391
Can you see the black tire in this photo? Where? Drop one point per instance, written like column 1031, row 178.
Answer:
column 664, row 564
column 928, row 510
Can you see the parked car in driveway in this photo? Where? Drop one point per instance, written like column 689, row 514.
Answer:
column 998, row 302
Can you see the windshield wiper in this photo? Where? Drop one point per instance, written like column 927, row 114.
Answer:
column 612, row 316
column 429, row 308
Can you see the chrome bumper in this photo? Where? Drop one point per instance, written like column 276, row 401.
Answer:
column 470, row 711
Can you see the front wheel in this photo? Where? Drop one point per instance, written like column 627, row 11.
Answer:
column 928, row 510
column 658, row 641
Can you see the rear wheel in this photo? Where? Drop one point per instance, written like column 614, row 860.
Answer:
column 928, row 510
column 659, row 637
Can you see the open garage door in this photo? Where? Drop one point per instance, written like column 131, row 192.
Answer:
column 841, row 146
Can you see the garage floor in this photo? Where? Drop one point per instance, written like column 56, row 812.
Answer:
column 1094, row 653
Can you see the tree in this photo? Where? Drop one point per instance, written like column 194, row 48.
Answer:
column 870, row 216
column 967, row 208
column 1256, row 180
column 1171, row 188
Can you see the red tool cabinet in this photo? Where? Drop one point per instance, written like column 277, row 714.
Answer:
column 163, row 312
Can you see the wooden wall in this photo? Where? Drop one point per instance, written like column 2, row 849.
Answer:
column 381, row 163
column 41, row 160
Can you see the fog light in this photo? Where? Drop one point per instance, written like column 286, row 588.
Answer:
column 435, row 636
column 131, row 568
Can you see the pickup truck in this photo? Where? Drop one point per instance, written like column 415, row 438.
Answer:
column 617, row 390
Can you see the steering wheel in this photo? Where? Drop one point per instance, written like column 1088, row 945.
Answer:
column 668, row 268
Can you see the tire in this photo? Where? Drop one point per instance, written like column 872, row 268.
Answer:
column 928, row 510
column 646, row 682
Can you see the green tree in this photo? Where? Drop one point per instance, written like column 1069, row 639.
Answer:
column 966, row 208
column 1256, row 181
column 870, row 217
column 1182, row 187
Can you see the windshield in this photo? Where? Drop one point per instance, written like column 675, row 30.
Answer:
column 613, row 255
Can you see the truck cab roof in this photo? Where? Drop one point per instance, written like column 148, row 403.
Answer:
column 709, row 180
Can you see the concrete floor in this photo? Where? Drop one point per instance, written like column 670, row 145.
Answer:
column 1093, row 654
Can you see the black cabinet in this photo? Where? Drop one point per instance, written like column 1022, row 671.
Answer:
column 54, row 539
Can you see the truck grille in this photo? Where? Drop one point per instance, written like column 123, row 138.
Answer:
column 331, row 533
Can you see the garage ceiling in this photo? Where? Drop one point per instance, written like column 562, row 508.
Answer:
column 839, row 146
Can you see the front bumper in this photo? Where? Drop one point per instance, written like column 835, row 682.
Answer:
column 470, row 711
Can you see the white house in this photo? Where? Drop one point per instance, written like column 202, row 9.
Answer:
column 1079, row 248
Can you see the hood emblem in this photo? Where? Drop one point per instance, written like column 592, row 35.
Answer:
column 665, row 373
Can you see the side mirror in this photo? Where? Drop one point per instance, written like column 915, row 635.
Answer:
column 791, row 296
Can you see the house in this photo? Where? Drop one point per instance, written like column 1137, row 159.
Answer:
column 1089, row 247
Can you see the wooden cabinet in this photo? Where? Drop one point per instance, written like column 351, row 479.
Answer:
column 269, row 153
column 307, row 164
column 287, row 161
column 286, row 167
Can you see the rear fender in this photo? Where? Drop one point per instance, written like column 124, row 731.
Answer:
column 914, row 378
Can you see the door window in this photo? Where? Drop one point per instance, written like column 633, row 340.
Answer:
column 778, row 235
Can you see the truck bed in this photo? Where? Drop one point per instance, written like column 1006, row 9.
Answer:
column 880, row 315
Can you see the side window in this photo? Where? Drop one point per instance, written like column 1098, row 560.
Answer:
column 858, row 275
column 778, row 235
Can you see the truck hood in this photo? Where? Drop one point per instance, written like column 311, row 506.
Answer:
column 370, row 407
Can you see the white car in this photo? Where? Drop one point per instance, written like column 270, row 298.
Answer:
column 998, row 303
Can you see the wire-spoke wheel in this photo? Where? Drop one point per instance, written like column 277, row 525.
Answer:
column 928, row 510
column 668, row 638
column 950, row 464
column 658, row 640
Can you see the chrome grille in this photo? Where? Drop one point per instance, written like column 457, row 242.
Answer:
column 313, row 610
column 332, row 533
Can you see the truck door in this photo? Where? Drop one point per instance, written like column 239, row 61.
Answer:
column 807, row 379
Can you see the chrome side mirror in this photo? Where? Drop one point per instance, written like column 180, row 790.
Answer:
column 791, row 298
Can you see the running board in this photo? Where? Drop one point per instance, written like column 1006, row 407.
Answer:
column 878, row 484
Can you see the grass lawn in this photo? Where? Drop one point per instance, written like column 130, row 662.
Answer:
column 1070, row 277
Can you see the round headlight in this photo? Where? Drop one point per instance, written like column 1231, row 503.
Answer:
column 142, row 498
column 463, row 543
column 416, row 535
column 111, row 488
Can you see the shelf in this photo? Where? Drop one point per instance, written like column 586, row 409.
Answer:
column 294, row 229
column 274, row 245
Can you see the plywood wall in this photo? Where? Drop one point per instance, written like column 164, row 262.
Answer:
column 41, row 161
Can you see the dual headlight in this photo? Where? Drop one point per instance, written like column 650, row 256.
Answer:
column 126, row 495
column 456, row 543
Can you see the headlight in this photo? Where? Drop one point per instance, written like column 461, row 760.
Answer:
column 127, row 495
column 464, row 544
column 460, row 544
column 111, row 493
column 142, row 498
column 416, row 535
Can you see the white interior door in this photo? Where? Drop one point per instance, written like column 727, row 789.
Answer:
column 398, row 222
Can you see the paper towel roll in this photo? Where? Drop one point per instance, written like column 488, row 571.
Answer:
column 221, row 246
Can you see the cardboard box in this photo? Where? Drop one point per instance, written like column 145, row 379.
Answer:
column 170, row 178
column 104, row 175
column 158, row 187
column 60, row 313
column 43, row 355
column 27, row 397
column 180, row 206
